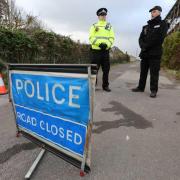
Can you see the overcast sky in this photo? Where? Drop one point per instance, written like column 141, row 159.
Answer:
column 75, row 17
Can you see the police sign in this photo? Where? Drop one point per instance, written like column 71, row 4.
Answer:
column 53, row 107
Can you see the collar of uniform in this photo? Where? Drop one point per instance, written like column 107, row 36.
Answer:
column 101, row 22
column 155, row 20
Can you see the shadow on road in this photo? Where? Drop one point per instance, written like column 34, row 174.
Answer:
column 129, row 119
column 6, row 155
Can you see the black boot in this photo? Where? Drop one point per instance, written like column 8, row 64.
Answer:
column 153, row 94
column 107, row 89
column 137, row 90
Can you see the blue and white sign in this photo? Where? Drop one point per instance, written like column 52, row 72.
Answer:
column 53, row 106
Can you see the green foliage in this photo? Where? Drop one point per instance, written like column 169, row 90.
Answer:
column 171, row 51
column 40, row 46
column 16, row 46
column 2, row 65
column 3, row 71
column 54, row 48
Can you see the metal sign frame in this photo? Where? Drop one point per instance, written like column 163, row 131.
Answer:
column 91, row 71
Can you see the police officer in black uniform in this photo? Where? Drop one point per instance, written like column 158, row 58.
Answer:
column 150, row 41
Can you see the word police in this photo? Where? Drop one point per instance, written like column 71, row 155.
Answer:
column 57, row 92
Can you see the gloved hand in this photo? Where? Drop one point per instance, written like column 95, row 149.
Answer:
column 103, row 46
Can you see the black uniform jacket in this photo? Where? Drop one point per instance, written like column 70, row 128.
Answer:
column 152, row 37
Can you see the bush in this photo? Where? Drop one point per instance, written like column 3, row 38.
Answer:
column 171, row 51
column 41, row 46
column 16, row 46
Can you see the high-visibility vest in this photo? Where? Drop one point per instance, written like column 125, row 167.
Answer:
column 101, row 32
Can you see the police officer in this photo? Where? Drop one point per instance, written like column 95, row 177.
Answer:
column 150, row 41
column 101, row 38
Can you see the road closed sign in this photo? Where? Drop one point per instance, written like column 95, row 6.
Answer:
column 53, row 107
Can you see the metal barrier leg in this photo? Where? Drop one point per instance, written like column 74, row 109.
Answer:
column 18, row 134
column 82, row 173
column 35, row 163
column 88, row 135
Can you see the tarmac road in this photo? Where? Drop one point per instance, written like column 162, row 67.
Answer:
column 135, row 137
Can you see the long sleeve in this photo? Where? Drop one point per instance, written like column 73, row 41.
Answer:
column 111, row 37
column 142, row 44
column 92, row 37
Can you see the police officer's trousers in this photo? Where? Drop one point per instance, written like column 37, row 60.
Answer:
column 101, row 58
column 154, row 65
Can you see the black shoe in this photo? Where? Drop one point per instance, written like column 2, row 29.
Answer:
column 107, row 89
column 153, row 94
column 137, row 90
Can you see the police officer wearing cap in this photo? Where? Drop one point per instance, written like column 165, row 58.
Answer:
column 150, row 41
column 101, row 38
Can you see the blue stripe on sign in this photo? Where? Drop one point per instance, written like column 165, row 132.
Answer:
column 66, row 134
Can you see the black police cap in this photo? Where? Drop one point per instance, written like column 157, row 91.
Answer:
column 156, row 8
column 101, row 11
